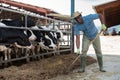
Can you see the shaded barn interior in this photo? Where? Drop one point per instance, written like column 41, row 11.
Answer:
column 111, row 12
column 9, row 15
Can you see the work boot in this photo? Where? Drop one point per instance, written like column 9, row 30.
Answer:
column 83, row 64
column 81, row 71
column 102, row 70
column 100, row 63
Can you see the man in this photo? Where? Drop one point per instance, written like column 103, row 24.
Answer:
column 86, row 24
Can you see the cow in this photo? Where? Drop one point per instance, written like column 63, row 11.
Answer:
column 15, row 36
column 58, row 34
column 44, row 38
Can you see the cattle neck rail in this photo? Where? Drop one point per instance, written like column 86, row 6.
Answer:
column 25, row 28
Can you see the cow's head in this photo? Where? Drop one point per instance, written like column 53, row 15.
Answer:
column 49, row 42
column 20, row 42
column 59, row 35
column 23, row 43
column 30, row 35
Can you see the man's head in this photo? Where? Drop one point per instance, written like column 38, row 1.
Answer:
column 78, row 17
column 76, row 14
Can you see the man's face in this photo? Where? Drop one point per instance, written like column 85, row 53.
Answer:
column 79, row 19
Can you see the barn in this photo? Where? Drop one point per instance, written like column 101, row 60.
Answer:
column 111, row 12
column 43, row 51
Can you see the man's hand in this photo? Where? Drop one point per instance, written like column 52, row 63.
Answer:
column 103, row 27
column 78, row 51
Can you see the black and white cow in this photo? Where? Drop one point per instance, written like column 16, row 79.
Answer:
column 16, row 36
column 59, row 33
column 43, row 37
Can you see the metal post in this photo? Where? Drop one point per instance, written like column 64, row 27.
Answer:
column 72, row 7
column 72, row 11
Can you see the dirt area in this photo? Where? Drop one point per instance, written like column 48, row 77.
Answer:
column 43, row 69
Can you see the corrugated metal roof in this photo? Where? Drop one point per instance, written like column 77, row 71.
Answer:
column 28, row 7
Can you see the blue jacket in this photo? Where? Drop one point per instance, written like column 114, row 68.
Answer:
column 88, row 27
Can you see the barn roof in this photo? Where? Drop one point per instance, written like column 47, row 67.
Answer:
column 28, row 7
column 13, row 5
column 111, row 12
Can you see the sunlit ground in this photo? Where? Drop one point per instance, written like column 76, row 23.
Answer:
column 110, row 45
